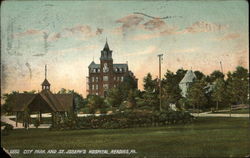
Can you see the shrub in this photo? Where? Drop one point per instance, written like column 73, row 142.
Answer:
column 7, row 128
column 126, row 119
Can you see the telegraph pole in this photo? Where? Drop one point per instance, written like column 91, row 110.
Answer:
column 221, row 67
column 160, row 59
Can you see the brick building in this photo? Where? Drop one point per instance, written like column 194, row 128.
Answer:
column 106, row 75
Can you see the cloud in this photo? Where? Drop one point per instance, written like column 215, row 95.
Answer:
column 39, row 54
column 55, row 37
column 28, row 32
column 146, row 36
column 85, row 30
column 154, row 24
column 156, row 27
column 203, row 26
column 129, row 23
column 229, row 36
column 98, row 31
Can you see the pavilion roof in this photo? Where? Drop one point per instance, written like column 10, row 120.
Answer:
column 57, row 102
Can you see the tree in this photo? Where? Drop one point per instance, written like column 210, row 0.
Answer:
column 95, row 102
column 151, row 91
column 199, row 75
column 127, row 84
column 215, row 75
column 218, row 93
column 149, row 84
column 79, row 101
column 171, row 90
column 114, row 98
column 196, row 94
column 237, row 86
column 131, row 101
column 180, row 73
column 7, row 97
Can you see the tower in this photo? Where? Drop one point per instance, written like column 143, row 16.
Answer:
column 106, row 72
column 45, row 84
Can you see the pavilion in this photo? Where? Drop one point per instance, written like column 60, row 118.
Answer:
column 42, row 102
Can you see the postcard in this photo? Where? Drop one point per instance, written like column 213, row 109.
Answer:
column 138, row 78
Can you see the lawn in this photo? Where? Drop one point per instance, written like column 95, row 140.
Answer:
column 209, row 137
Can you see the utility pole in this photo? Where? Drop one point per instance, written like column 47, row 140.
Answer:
column 221, row 67
column 160, row 59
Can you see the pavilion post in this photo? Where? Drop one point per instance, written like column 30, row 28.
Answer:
column 40, row 116
column 29, row 119
column 16, row 118
column 52, row 118
column 23, row 118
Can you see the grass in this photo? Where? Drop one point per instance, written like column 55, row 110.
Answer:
column 209, row 137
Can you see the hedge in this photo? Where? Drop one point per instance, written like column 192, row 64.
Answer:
column 127, row 119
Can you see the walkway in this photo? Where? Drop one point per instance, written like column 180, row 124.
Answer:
column 7, row 119
column 208, row 114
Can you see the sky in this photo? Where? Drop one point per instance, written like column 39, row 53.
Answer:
column 68, row 35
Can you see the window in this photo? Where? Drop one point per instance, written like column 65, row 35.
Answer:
column 93, row 87
column 96, row 78
column 96, row 87
column 94, row 70
column 122, row 78
column 105, row 86
column 114, row 78
column 98, row 70
column 105, row 78
column 93, row 79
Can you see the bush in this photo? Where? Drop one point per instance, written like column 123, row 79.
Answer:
column 131, row 118
column 7, row 128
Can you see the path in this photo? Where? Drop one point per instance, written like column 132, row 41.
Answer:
column 208, row 114
column 7, row 119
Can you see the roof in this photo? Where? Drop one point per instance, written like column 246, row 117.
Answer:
column 52, row 100
column 45, row 82
column 19, row 101
column 189, row 77
column 93, row 65
column 120, row 65
column 57, row 102
column 106, row 47
column 66, row 100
